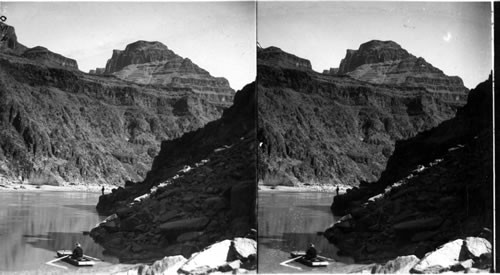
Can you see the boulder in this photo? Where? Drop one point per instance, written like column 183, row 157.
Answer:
column 215, row 204
column 215, row 256
column 212, row 257
column 169, row 215
column 418, row 225
column 245, row 247
column 165, row 266
column 474, row 247
column 185, row 225
column 445, row 256
column 402, row 264
column 485, row 261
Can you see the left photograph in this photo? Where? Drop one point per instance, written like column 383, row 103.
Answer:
column 127, row 137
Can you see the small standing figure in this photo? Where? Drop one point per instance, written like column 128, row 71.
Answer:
column 311, row 252
column 103, row 190
column 77, row 252
column 337, row 190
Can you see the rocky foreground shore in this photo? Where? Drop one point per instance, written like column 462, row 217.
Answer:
column 431, row 210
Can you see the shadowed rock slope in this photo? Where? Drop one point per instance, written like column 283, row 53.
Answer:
column 59, row 125
column 436, row 188
column 329, row 129
column 201, row 189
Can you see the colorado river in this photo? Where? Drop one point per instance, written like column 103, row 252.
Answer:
column 289, row 221
column 33, row 225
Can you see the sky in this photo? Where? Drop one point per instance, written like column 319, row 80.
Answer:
column 217, row 36
column 454, row 37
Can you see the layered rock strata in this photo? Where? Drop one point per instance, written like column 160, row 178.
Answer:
column 152, row 63
column 44, row 56
column 334, row 129
column 385, row 62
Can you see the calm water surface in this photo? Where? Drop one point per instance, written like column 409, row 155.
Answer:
column 290, row 221
column 33, row 225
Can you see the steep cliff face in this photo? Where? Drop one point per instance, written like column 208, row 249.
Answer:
column 436, row 188
column 385, row 62
column 333, row 129
column 201, row 189
column 152, row 63
column 59, row 125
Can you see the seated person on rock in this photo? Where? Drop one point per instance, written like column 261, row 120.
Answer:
column 77, row 252
column 311, row 252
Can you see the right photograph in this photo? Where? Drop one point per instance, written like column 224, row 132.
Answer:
column 375, row 132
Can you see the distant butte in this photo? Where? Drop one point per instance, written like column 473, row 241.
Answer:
column 153, row 63
column 385, row 62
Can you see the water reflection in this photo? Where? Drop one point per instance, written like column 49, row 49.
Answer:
column 290, row 221
column 33, row 225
